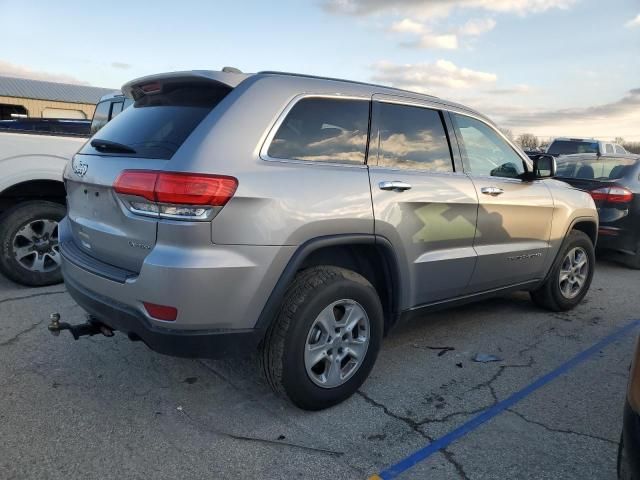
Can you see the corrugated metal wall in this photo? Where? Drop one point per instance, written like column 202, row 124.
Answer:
column 37, row 107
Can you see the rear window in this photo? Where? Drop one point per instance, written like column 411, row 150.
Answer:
column 602, row 169
column 568, row 147
column 323, row 130
column 156, row 125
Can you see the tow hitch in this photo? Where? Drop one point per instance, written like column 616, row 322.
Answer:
column 91, row 327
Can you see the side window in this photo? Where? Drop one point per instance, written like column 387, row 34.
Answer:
column 116, row 108
column 484, row 151
column 620, row 150
column 323, row 130
column 608, row 148
column 409, row 137
column 100, row 117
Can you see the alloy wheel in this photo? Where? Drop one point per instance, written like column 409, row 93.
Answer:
column 337, row 343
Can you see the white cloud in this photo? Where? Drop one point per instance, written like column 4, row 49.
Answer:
column 430, row 77
column 633, row 23
column 618, row 118
column 430, row 40
column 407, row 25
column 438, row 8
column 478, row 26
column 13, row 70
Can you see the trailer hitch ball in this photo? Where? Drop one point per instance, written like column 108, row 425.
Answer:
column 54, row 326
column 89, row 328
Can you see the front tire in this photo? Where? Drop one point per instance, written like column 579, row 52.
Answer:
column 29, row 250
column 326, row 338
column 570, row 276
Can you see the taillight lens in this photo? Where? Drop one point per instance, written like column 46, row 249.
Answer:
column 613, row 194
column 188, row 189
column 175, row 195
column 137, row 182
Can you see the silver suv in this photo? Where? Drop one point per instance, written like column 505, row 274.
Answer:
column 303, row 217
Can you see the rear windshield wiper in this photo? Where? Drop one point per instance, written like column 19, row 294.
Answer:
column 109, row 146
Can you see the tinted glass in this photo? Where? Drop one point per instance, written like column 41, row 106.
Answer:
column 608, row 148
column 155, row 126
column 409, row 137
column 595, row 169
column 567, row 147
column 323, row 130
column 101, row 116
column 484, row 151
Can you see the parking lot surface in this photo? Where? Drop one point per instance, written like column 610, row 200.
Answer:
column 112, row 409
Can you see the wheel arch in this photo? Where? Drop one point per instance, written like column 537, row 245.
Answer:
column 369, row 255
column 40, row 189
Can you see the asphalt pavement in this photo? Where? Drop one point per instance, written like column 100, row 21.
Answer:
column 107, row 408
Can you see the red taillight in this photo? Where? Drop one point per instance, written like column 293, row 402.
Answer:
column 191, row 189
column 177, row 188
column 161, row 312
column 613, row 194
column 153, row 87
column 140, row 183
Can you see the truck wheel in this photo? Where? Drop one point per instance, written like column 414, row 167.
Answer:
column 29, row 252
column 325, row 340
column 570, row 276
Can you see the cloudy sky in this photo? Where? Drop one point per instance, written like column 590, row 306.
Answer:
column 549, row 67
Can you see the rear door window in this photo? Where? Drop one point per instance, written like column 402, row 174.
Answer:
column 156, row 125
column 323, row 130
column 409, row 137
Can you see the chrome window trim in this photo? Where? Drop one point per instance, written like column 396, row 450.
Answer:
column 264, row 155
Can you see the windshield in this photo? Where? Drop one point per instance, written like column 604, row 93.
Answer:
column 568, row 147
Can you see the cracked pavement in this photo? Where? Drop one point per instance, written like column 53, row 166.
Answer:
column 109, row 408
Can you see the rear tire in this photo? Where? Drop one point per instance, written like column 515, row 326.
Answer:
column 567, row 283
column 29, row 251
column 313, row 322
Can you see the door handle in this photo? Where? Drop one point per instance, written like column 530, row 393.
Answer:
column 395, row 186
column 493, row 191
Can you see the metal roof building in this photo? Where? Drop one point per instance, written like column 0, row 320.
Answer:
column 21, row 97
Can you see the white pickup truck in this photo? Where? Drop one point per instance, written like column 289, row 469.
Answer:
column 32, row 196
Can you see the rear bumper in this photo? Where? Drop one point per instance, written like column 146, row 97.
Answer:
column 631, row 438
column 180, row 343
column 615, row 238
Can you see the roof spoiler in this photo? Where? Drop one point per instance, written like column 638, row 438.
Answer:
column 229, row 76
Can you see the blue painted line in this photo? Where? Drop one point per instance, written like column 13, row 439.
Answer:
column 446, row 440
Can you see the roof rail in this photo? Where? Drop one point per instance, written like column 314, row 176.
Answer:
column 304, row 75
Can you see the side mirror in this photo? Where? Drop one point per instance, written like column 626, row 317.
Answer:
column 544, row 166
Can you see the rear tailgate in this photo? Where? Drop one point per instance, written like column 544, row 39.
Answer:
column 104, row 225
